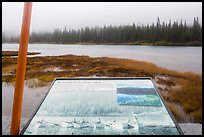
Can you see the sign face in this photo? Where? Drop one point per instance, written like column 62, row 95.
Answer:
column 102, row 106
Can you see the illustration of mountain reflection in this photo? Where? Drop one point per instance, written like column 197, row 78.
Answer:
column 139, row 96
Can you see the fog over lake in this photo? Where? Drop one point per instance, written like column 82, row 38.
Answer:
column 47, row 16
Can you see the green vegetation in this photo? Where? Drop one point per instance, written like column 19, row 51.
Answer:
column 176, row 33
column 182, row 89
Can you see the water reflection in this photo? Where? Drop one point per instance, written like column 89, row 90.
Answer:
column 31, row 99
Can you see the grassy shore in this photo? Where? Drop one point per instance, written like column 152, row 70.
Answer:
column 140, row 43
column 15, row 53
column 166, row 43
column 181, row 91
column 136, row 43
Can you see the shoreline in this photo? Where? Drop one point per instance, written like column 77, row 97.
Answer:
column 174, row 86
column 15, row 53
column 172, row 65
column 165, row 44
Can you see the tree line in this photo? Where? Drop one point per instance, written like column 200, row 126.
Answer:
column 159, row 32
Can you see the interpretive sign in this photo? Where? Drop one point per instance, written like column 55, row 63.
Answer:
column 102, row 106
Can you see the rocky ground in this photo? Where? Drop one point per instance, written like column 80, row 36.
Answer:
column 191, row 128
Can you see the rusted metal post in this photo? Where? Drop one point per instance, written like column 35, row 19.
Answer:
column 21, row 68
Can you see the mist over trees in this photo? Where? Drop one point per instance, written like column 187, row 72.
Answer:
column 159, row 33
column 9, row 39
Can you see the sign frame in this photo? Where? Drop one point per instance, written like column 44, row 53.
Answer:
column 106, row 78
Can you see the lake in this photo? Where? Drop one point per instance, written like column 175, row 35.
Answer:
column 175, row 58
column 32, row 98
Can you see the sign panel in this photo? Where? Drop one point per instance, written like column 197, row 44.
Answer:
column 102, row 106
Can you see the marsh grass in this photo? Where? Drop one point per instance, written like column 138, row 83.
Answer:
column 15, row 53
column 190, row 97
column 179, row 113
column 188, row 94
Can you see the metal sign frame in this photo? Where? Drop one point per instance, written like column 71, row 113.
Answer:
column 106, row 78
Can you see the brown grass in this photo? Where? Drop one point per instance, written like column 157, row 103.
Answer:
column 188, row 95
column 15, row 53
column 179, row 113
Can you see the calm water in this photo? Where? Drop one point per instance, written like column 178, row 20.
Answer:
column 31, row 99
column 175, row 58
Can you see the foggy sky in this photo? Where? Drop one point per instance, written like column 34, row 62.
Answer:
column 47, row 16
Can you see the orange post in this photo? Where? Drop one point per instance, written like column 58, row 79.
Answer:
column 21, row 68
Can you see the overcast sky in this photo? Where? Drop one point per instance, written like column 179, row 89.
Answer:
column 52, row 15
